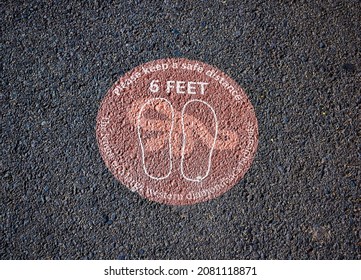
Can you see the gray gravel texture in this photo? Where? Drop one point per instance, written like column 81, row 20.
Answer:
column 299, row 62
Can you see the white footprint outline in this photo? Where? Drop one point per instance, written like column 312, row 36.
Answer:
column 199, row 178
column 169, row 141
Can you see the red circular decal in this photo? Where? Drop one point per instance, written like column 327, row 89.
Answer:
column 177, row 131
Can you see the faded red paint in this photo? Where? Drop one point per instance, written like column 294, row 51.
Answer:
column 158, row 124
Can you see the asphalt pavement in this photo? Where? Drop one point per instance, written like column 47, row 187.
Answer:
column 299, row 63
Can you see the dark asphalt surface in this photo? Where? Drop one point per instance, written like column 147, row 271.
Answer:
column 299, row 62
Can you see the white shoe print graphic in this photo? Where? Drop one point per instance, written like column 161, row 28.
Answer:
column 196, row 161
column 192, row 136
column 155, row 125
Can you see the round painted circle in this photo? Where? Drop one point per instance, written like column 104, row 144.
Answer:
column 177, row 131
